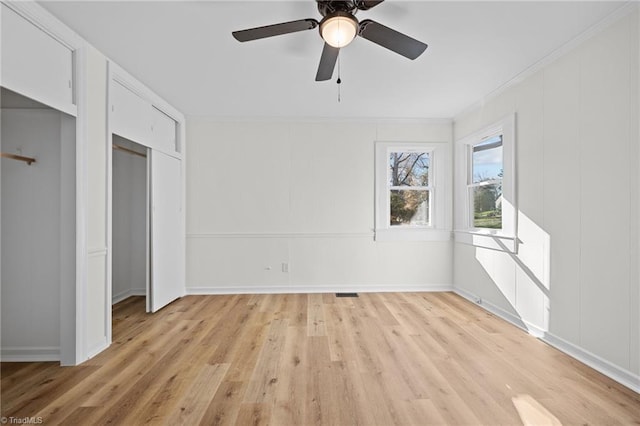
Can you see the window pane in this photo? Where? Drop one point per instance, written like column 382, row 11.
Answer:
column 487, row 206
column 487, row 160
column 409, row 207
column 409, row 169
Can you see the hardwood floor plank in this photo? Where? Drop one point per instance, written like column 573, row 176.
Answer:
column 265, row 374
column 246, row 353
column 225, row 405
column 297, row 310
column 131, row 402
column 22, row 380
column 119, row 370
column 298, row 359
column 315, row 316
column 290, row 397
column 318, row 392
column 418, row 412
column 197, row 398
column 253, row 414
column 79, row 416
column 49, row 390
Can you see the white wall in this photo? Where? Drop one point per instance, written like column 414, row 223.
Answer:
column 129, row 232
column 96, row 294
column 34, row 253
column 263, row 193
column 575, row 278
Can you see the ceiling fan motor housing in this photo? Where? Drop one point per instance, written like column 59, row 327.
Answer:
column 329, row 7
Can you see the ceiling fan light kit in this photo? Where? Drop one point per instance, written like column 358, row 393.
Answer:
column 338, row 28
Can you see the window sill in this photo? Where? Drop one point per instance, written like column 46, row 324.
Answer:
column 412, row 234
column 487, row 240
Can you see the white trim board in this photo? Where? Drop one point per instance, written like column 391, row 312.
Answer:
column 620, row 375
column 489, row 241
column 54, row 28
column 123, row 295
column 321, row 120
column 120, row 75
column 30, row 354
column 243, row 289
column 48, row 23
column 97, row 348
column 526, row 326
column 283, row 235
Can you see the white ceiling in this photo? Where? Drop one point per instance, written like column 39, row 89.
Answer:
column 184, row 51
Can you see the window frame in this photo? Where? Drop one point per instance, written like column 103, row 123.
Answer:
column 439, row 228
column 504, row 239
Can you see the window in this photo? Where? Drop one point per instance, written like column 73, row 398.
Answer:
column 411, row 191
column 485, row 187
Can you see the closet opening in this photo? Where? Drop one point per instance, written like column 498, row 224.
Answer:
column 38, row 231
column 130, row 222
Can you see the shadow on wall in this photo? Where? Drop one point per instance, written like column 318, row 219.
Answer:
column 522, row 278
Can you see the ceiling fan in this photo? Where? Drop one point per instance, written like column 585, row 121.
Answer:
column 338, row 28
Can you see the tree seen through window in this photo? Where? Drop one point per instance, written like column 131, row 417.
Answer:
column 409, row 188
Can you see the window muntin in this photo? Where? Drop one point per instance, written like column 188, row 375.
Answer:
column 409, row 188
column 485, row 183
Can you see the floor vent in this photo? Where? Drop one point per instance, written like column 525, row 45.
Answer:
column 346, row 294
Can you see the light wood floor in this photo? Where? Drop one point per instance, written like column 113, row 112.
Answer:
column 420, row 358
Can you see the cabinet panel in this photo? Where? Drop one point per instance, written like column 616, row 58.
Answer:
column 131, row 116
column 164, row 132
column 34, row 64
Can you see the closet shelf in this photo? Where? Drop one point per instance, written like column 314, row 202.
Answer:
column 130, row 151
column 27, row 160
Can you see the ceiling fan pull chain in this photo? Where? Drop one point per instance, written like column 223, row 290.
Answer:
column 339, row 80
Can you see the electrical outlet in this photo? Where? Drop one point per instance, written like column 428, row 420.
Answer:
column 285, row 267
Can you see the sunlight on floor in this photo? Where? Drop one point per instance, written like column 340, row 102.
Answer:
column 532, row 413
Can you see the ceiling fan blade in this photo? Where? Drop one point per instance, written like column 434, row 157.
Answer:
column 391, row 39
column 327, row 62
column 275, row 30
column 367, row 4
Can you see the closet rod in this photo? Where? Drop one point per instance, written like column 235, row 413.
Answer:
column 130, row 151
column 27, row 160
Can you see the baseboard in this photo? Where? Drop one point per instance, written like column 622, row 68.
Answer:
column 316, row 289
column 620, row 375
column 30, row 354
column 116, row 298
column 97, row 348
column 500, row 312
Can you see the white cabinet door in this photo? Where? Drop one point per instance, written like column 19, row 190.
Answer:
column 131, row 116
column 164, row 132
column 167, row 238
column 35, row 64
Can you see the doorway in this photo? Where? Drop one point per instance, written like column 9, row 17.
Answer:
column 130, row 221
column 38, row 238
